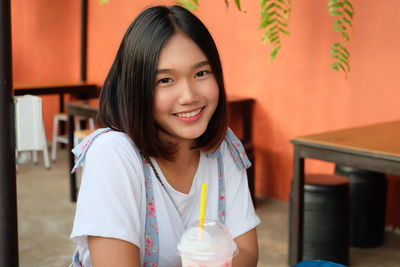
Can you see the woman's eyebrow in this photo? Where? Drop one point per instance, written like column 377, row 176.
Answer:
column 195, row 66
column 201, row 64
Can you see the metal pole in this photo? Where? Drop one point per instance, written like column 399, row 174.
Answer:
column 8, row 192
column 84, row 15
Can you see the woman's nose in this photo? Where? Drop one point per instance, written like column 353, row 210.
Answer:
column 187, row 93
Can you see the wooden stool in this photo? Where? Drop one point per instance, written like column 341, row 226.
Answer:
column 58, row 118
column 326, row 225
column 368, row 206
column 79, row 135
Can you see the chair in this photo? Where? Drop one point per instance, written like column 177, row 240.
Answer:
column 62, row 117
column 29, row 127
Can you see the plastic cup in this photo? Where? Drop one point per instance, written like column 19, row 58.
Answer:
column 210, row 246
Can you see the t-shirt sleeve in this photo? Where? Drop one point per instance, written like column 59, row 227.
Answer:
column 240, row 214
column 111, row 192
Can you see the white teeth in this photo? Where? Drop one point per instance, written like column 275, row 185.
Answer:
column 189, row 114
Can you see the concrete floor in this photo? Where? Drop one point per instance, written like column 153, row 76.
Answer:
column 45, row 217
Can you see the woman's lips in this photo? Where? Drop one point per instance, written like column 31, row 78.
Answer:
column 190, row 116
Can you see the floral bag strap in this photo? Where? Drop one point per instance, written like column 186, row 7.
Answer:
column 221, row 191
column 152, row 248
column 80, row 154
column 81, row 149
column 238, row 153
column 151, row 227
column 236, row 150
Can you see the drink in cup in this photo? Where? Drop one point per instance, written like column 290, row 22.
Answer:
column 207, row 245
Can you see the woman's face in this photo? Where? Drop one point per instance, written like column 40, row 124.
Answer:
column 186, row 92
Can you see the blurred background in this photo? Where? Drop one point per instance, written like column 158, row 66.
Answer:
column 296, row 94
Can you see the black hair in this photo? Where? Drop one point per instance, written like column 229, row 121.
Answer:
column 126, row 99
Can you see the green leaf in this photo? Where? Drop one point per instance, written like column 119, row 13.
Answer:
column 265, row 23
column 336, row 6
column 345, row 50
column 342, row 60
column 262, row 2
column 270, row 36
column 267, row 13
column 273, row 40
column 272, row 5
column 347, row 21
column 237, row 2
column 346, row 2
column 281, row 23
column 189, row 5
column 273, row 28
column 279, row 7
column 334, row 66
column 283, row 31
column 335, row 45
column 332, row 2
column 337, row 22
column 345, row 35
column 340, row 66
column 274, row 52
column 336, row 13
column 337, row 51
column 103, row 2
column 286, row 4
column 345, row 62
column 348, row 12
column 336, row 29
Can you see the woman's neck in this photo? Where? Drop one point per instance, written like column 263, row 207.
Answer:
column 185, row 156
column 181, row 171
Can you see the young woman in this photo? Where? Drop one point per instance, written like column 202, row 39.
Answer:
column 164, row 106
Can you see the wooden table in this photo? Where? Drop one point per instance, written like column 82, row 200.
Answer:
column 374, row 147
column 242, row 106
column 81, row 90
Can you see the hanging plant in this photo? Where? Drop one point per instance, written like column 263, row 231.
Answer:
column 274, row 20
column 343, row 11
column 190, row 5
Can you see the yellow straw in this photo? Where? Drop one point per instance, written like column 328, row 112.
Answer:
column 203, row 201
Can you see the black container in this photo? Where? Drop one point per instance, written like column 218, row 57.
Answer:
column 368, row 206
column 326, row 225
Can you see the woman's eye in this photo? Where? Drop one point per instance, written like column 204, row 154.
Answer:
column 202, row 73
column 165, row 80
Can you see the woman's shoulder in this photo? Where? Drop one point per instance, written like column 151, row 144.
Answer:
column 232, row 151
column 114, row 140
column 114, row 144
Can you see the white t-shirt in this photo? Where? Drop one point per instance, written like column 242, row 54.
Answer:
column 111, row 201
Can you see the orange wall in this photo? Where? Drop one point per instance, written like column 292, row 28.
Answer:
column 297, row 94
column 46, row 40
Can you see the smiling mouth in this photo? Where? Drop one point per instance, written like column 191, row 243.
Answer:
column 189, row 114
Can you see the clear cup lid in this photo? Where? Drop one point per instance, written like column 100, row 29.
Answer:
column 212, row 241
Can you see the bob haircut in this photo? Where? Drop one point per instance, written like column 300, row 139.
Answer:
column 126, row 99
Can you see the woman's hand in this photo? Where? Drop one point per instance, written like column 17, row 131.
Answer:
column 248, row 250
column 106, row 252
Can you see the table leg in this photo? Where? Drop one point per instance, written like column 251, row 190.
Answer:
column 296, row 209
column 62, row 124
column 71, row 157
